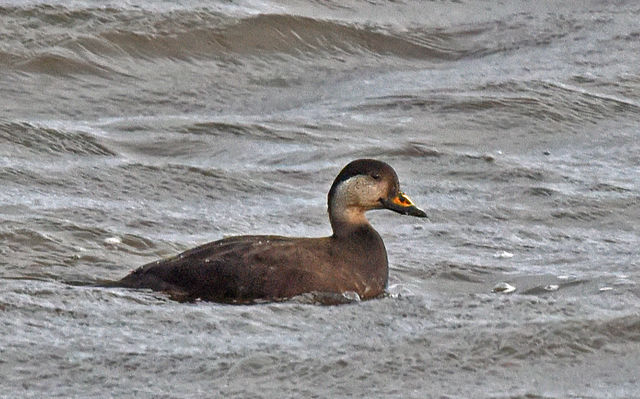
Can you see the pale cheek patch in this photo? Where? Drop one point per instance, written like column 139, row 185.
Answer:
column 358, row 191
column 363, row 192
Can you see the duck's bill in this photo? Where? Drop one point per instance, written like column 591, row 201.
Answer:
column 403, row 204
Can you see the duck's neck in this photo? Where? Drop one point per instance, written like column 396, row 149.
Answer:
column 346, row 219
column 345, row 224
column 362, row 249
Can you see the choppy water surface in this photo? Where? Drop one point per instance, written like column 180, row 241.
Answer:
column 130, row 131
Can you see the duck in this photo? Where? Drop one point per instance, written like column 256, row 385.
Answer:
column 256, row 268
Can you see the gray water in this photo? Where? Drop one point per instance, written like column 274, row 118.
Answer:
column 132, row 130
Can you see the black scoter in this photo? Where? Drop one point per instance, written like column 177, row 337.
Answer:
column 246, row 269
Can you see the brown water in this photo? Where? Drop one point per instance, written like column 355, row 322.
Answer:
column 130, row 131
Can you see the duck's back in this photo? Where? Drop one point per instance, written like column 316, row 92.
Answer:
column 246, row 268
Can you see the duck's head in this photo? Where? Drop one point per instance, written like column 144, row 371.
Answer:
column 363, row 185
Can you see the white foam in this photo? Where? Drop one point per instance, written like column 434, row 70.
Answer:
column 503, row 255
column 113, row 240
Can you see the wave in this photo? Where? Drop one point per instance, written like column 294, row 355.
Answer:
column 23, row 137
column 83, row 41
column 547, row 104
column 58, row 64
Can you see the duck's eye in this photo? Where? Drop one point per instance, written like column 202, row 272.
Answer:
column 375, row 176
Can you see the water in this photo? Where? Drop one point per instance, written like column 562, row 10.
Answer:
column 130, row 131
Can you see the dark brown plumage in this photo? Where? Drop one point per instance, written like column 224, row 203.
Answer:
column 248, row 268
